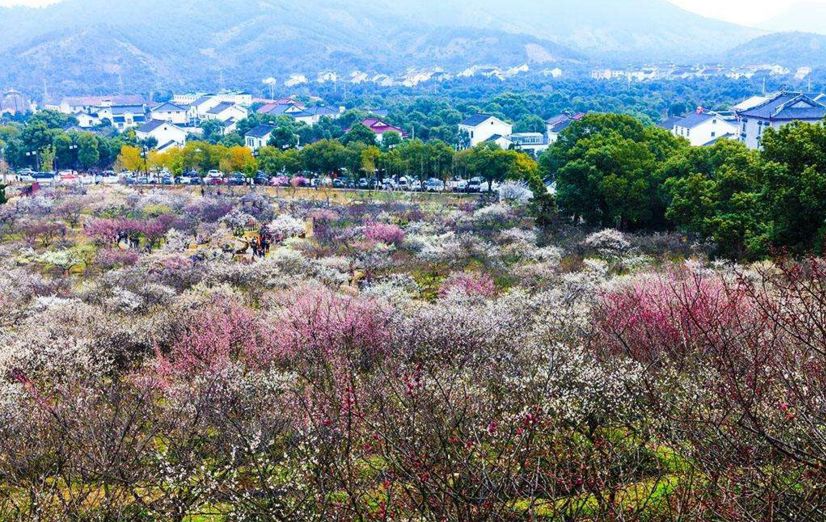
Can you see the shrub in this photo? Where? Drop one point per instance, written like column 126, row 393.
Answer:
column 384, row 233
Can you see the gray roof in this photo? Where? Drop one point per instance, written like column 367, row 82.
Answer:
column 787, row 106
column 127, row 109
column 476, row 119
column 694, row 119
column 169, row 107
column 313, row 111
column 203, row 99
column 669, row 123
column 260, row 131
column 150, row 126
column 221, row 107
column 561, row 125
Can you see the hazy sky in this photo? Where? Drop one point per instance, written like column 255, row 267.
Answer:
column 742, row 11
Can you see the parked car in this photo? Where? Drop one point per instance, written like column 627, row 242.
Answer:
column 300, row 181
column 167, row 180
column 416, row 185
column 434, row 185
column 388, row 184
column 474, row 185
column 44, row 178
column 261, row 179
column 402, row 184
column 237, row 179
column 460, row 185
column 363, row 184
column 25, row 176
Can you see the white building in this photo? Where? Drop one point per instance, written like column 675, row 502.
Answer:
column 226, row 112
column 94, row 104
column 258, row 137
column 170, row 112
column 166, row 134
column 123, row 117
column 481, row 127
column 87, row 121
column 531, row 142
column 759, row 113
column 704, row 128
column 312, row 115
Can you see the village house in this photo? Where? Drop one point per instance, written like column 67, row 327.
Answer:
column 759, row 113
column 481, row 127
column 14, row 102
column 380, row 128
column 280, row 108
column 170, row 112
column 167, row 135
column 123, row 117
column 556, row 124
column 703, row 128
column 227, row 113
column 534, row 143
column 258, row 137
column 87, row 121
column 312, row 115
column 94, row 104
column 503, row 142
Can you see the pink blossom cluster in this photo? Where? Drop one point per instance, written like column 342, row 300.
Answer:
column 384, row 233
column 469, row 283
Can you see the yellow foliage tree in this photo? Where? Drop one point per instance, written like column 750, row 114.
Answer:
column 238, row 159
column 130, row 159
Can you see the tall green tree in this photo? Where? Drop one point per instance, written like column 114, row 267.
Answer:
column 794, row 187
column 88, row 153
column 605, row 169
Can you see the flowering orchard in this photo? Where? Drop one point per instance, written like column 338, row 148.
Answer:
column 174, row 355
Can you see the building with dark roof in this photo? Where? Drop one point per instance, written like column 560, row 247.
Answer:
column 380, row 128
column 258, row 136
column 164, row 133
column 480, row 127
column 170, row 112
column 775, row 111
column 556, row 124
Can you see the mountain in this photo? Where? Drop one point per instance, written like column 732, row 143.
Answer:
column 638, row 30
column 788, row 49
column 147, row 44
column 808, row 17
column 91, row 45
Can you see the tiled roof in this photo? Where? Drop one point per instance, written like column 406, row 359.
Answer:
column 99, row 101
column 127, row 109
column 669, row 123
column 221, row 107
column 560, row 122
column 787, row 106
column 380, row 127
column 476, row 119
column 150, row 126
column 694, row 119
column 168, row 107
column 260, row 131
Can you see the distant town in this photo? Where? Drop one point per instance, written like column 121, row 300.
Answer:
column 170, row 124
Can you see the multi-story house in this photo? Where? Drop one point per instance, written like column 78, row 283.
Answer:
column 704, row 128
column 759, row 113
